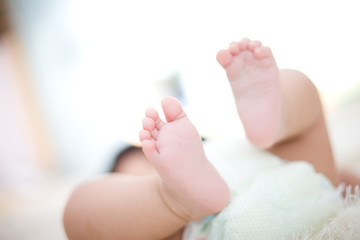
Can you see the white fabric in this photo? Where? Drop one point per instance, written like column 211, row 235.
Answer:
column 270, row 198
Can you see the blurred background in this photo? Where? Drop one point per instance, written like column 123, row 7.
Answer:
column 76, row 76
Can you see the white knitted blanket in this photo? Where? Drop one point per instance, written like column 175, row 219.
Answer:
column 275, row 199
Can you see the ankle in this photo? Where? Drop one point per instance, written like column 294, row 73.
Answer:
column 180, row 209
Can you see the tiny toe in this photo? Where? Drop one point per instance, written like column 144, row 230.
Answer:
column 148, row 124
column 234, row 48
column 224, row 57
column 144, row 135
column 254, row 44
column 262, row 52
column 243, row 44
column 151, row 113
column 172, row 109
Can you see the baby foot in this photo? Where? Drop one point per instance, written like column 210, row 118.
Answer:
column 190, row 185
column 254, row 79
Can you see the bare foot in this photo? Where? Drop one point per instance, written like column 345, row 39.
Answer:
column 254, row 79
column 190, row 185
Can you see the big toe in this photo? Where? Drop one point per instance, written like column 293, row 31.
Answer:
column 172, row 109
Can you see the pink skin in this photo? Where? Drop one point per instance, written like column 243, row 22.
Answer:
column 254, row 79
column 189, row 185
column 175, row 149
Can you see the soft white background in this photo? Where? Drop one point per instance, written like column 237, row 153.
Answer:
column 94, row 62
